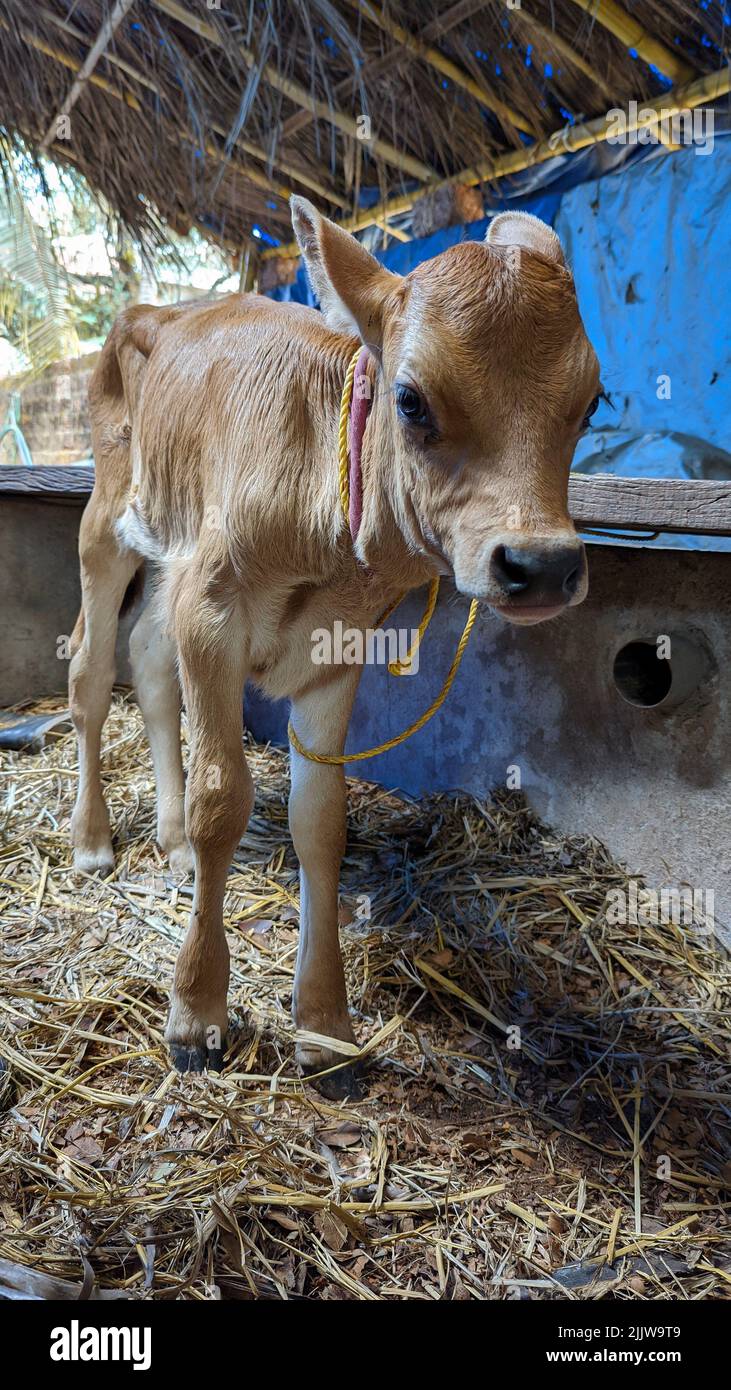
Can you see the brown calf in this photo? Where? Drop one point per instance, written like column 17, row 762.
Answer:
column 215, row 433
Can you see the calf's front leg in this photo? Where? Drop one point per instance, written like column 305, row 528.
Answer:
column 317, row 820
column 218, row 802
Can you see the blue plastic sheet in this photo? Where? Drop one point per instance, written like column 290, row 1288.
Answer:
column 649, row 249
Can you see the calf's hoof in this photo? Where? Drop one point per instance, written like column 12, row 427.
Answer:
column 194, row 1042
column 344, row 1084
column 186, row 1058
column 94, row 861
column 180, row 858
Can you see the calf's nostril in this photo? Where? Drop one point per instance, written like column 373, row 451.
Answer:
column 547, row 573
column 571, row 581
column 511, row 570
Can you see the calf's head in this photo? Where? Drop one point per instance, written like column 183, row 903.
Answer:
column 486, row 381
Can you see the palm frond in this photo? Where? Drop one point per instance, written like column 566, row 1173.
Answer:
column 34, row 292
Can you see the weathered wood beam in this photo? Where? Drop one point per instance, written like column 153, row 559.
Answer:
column 376, row 67
column 434, row 59
column 564, row 141
column 73, row 481
column 630, row 32
column 347, row 125
column 651, row 504
column 632, row 504
column 111, row 23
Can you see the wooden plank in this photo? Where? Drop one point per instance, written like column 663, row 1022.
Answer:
column 651, row 504
column 628, row 504
column 73, row 481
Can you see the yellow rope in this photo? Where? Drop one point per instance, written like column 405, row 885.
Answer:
column 396, row 668
column 343, row 456
column 401, row 668
column 337, row 760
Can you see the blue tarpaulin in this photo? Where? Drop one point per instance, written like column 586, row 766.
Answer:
column 649, row 249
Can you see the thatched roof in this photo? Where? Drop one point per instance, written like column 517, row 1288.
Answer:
column 214, row 115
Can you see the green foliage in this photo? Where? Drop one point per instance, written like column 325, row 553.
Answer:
column 35, row 311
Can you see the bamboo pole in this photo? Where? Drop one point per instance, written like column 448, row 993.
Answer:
column 392, row 231
column 566, row 141
column 293, row 171
column 449, row 19
column 249, row 267
column 106, row 33
column 347, row 125
column 434, row 59
column 630, row 32
column 67, row 28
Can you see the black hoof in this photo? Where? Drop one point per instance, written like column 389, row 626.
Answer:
column 196, row 1058
column 344, row 1084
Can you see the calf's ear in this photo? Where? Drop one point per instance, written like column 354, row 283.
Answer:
column 353, row 289
column 524, row 230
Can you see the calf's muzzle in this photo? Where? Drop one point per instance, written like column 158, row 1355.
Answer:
column 532, row 580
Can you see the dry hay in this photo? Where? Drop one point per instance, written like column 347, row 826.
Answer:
column 471, row 1169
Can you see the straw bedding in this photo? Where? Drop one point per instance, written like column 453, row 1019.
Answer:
column 591, row 1161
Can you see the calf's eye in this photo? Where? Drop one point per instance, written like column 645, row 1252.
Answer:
column 591, row 411
column 410, row 406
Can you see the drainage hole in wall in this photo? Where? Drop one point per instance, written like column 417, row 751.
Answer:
column 641, row 676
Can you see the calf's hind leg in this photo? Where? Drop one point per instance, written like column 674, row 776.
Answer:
column 154, row 670
column 106, row 570
column 218, row 801
column 317, row 819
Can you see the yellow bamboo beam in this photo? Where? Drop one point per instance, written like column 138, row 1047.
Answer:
column 285, row 166
column 347, row 125
column 565, row 141
column 74, row 33
column 376, row 67
column 392, row 231
column 434, row 59
column 282, row 191
column 630, row 32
